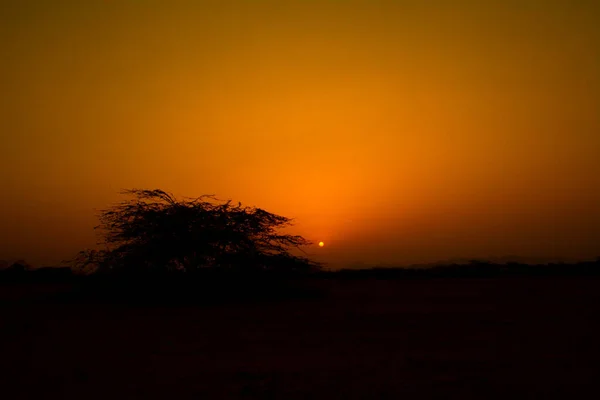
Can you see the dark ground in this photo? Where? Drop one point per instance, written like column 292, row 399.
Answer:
column 423, row 338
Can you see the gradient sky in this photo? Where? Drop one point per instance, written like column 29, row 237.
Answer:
column 394, row 131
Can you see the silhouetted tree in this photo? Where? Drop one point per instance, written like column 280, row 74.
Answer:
column 155, row 232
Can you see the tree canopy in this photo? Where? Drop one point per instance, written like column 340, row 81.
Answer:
column 153, row 231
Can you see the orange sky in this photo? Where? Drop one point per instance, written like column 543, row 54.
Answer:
column 394, row 131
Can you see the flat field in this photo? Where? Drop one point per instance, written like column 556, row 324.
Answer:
column 364, row 339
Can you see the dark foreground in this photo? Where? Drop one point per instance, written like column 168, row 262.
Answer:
column 367, row 338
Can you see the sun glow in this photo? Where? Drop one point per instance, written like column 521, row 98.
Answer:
column 321, row 244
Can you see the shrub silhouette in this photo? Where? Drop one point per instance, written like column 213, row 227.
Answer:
column 153, row 232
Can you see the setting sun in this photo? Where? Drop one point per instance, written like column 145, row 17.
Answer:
column 321, row 244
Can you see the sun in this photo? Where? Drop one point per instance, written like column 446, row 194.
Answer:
column 321, row 244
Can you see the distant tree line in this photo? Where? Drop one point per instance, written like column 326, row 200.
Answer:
column 474, row 269
column 17, row 271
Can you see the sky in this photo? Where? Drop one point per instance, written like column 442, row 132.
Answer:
column 396, row 132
